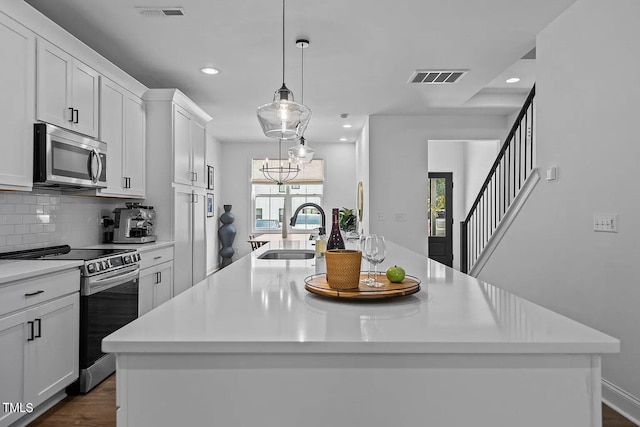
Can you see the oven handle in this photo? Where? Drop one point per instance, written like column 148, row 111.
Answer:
column 96, row 284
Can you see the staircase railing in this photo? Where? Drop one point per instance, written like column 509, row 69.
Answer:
column 508, row 174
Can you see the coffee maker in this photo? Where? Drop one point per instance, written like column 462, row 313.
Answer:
column 134, row 224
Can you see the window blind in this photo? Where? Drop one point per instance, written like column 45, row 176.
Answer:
column 310, row 173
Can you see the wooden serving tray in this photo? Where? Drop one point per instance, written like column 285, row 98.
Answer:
column 318, row 284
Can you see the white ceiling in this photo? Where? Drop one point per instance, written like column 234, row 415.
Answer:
column 361, row 56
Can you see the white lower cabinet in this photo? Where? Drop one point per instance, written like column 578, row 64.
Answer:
column 38, row 342
column 156, row 286
column 156, row 278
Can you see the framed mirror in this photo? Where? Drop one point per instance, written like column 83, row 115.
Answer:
column 360, row 201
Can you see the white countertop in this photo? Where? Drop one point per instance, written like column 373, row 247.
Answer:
column 261, row 306
column 12, row 270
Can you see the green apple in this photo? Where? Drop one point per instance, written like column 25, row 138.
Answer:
column 395, row 274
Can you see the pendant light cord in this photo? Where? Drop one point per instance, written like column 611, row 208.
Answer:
column 282, row 42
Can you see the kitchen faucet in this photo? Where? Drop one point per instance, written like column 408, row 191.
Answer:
column 295, row 216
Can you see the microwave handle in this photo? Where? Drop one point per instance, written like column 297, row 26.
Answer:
column 96, row 156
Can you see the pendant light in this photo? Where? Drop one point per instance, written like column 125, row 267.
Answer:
column 283, row 119
column 279, row 173
column 301, row 153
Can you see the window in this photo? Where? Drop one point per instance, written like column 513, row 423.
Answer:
column 269, row 200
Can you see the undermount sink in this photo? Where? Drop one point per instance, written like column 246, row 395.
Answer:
column 288, row 254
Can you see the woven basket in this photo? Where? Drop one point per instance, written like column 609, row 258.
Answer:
column 343, row 268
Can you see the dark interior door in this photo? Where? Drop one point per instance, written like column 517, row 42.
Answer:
column 440, row 221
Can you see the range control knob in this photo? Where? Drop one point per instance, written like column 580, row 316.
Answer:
column 127, row 259
column 105, row 265
column 98, row 266
column 138, row 257
column 91, row 268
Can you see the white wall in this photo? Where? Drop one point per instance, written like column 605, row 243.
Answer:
column 213, row 159
column 586, row 124
column 478, row 159
column 362, row 174
column 398, row 165
column 235, row 165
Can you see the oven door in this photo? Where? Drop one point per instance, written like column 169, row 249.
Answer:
column 107, row 302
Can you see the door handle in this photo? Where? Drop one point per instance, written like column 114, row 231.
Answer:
column 30, row 336
column 39, row 334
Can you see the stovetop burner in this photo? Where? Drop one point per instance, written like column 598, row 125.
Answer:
column 96, row 260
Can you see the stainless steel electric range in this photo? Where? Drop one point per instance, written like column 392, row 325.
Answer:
column 108, row 301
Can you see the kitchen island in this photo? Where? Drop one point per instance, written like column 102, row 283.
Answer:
column 250, row 346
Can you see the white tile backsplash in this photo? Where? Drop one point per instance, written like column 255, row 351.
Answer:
column 37, row 219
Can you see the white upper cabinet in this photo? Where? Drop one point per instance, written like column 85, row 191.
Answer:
column 122, row 127
column 190, row 167
column 67, row 91
column 17, row 115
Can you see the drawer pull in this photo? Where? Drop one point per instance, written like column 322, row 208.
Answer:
column 157, row 257
column 33, row 293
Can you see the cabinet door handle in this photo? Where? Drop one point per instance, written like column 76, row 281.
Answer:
column 156, row 257
column 33, row 293
column 30, row 337
column 39, row 334
column 77, row 116
column 72, row 110
column 158, row 277
column 195, row 176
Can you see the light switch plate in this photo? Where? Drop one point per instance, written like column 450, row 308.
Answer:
column 605, row 222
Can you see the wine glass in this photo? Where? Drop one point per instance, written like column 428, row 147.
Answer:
column 361, row 247
column 376, row 251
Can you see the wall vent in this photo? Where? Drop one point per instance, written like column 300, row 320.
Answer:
column 160, row 12
column 437, row 77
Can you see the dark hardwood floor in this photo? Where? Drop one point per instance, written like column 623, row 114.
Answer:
column 98, row 409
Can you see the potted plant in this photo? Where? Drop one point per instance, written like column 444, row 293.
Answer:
column 347, row 220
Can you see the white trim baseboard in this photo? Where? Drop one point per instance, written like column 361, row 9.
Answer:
column 504, row 225
column 623, row 402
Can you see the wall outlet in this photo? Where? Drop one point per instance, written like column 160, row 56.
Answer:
column 605, row 222
column 380, row 216
column 235, row 249
column 399, row 216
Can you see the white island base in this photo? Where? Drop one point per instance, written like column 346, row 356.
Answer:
column 377, row 390
column 250, row 346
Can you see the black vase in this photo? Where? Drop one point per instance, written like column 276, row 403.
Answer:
column 226, row 234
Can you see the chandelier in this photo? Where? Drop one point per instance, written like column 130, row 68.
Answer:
column 283, row 119
column 279, row 173
column 301, row 153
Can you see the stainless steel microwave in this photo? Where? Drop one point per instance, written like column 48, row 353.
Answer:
column 66, row 160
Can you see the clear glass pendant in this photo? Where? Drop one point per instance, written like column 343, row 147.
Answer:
column 301, row 153
column 284, row 118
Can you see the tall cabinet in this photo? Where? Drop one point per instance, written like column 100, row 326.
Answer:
column 17, row 109
column 176, row 179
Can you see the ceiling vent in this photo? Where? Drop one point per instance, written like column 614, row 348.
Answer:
column 160, row 12
column 437, row 77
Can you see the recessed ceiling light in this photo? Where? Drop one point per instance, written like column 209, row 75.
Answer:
column 513, row 80
column 346, row 126
column 210, row 70
column 343, row 139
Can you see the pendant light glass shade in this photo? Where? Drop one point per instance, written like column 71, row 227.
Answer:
column 284, row 118
column 301, row 153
